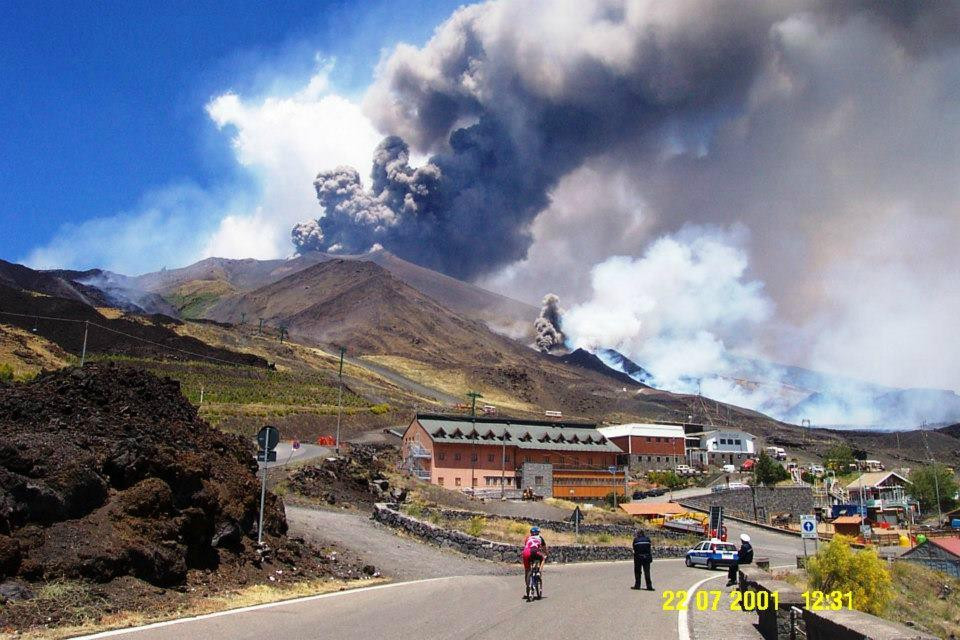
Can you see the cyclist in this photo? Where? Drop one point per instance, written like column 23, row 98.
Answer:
column 534, row 553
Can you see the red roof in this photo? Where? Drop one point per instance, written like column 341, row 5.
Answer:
column 846, row 520
column 652, row 508
column 950, row 544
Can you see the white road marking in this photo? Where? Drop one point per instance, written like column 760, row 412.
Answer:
column 683, row 633
column 256, row 607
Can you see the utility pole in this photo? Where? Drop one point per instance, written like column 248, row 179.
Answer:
column 243, row 317
column 473, row 395
column 343, row 350
column 936, row 476
column 503, row 463
column 83, row 354
column 283, row 332
column 260, row 328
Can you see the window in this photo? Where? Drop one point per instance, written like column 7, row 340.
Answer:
column 658, row 458
column 590, row 460
column 538, row 480
column 649, row 439
column 658, row 439
column 456, row 456
column 473, row 457
column 526, row 458
column 474, row 482
column 441, row 456
column 440, row 481
column 489, row 457
column 737, row 442
column 506, row 458
column 458, row 482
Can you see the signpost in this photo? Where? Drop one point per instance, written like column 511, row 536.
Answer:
column 577, row 518
column 267, row 438
column 808, row 531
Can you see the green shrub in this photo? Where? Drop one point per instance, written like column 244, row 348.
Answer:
column 476, row 525
column 837, row 567
column 603, row 538
column 519, row 528
column 6, row 372
column 380, row 409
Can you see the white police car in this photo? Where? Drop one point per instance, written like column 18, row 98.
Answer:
column 712, row 554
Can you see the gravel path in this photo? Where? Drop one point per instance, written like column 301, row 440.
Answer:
column 394, row 556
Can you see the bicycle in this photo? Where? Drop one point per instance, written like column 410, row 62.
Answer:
column 535, row 586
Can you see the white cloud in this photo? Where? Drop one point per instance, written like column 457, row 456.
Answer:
column 283, row 141
column 168, row 227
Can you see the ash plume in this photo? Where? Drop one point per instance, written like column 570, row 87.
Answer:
column 508, row 112
column 547, row 324
column 826, row 129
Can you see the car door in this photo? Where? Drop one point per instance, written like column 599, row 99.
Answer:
column 698, row 556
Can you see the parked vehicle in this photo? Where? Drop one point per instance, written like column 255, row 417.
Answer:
column 729, row 468
column 777, row 453
column 685, row 470
column 817, row 470
column 748, row 464
column 712, row 554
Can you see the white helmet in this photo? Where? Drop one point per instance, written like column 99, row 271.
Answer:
column 744, row 537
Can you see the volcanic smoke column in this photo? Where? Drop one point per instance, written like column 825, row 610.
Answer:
column 547, row 325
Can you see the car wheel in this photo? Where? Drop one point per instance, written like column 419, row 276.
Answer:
column 711, row 565
column 688, row 561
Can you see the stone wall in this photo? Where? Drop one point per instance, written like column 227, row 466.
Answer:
column 846, row 624
column 559, row 525
column 531, row 471
column 501, row 552
column 772, row 501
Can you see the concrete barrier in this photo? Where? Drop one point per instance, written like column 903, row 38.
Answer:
column 845, row 624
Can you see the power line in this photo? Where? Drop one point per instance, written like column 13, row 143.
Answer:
column 122, row 333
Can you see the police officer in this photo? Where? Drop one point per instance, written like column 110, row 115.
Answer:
column 744, row 556
column 642, row 557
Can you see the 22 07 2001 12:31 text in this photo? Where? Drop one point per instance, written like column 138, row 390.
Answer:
column 752, row 600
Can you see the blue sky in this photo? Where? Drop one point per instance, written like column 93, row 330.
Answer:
column 104, row 103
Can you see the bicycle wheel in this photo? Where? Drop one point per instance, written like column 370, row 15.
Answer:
column 539, row 586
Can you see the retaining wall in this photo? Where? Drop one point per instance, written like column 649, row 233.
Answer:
column 846, row 624
column 502, row 552
column 772, row 500
column 559, row 525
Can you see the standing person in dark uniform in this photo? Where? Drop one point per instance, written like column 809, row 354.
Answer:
column 744, row 556
column 642, row 557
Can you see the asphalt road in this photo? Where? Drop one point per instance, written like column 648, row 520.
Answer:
column 286, row 454
column 590, row 600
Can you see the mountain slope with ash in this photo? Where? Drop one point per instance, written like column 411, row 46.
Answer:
column 149, row 336
column 586, row 360
column 362, row 304
column 225, row 277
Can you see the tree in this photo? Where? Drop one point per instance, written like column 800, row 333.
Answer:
column 837, row 567
column 768, row 471
column 668, row 479
column 839, row 458
column 926, row 480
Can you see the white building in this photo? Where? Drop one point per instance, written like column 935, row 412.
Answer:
column 720, row 446
column 649, row 446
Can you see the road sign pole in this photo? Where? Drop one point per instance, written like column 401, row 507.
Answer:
column 83, row 355
column 340, row 396
column 267, row 438
column 263, row 498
